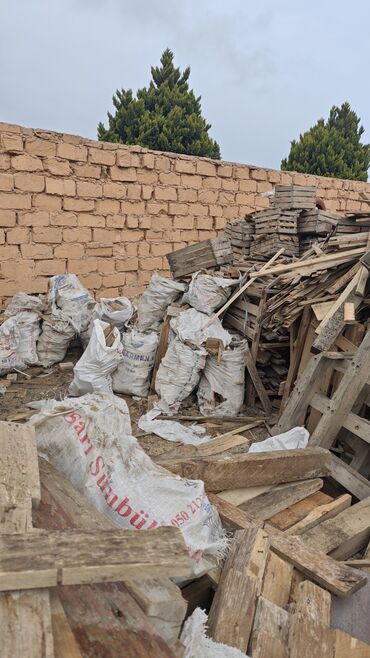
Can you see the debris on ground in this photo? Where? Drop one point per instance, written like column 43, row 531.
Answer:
column 229, row 413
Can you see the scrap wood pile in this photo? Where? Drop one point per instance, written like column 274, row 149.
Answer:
column 264, row 536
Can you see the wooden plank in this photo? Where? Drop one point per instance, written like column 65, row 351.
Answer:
column 355, row 483
column 281, row 497
column 338, row 304
column 310, row 634
column 231, row 615
column 241, row 495
column 161, row 350
column 265, row 646
column 315, row 264
column 288, row 517
column 346, row 646
column 214, row 446
column 343, row 535
column 317, row 566
column 107, row 622
column 241, row 290
column 322, row 569
column 26, row 629
column 257, row 382
column 25, row 616
column 354, row 379
column 355, row 424
column 306, row 386
column 232, row 517
column 270, row 631
column 234, row 470
column 319, row 514
column 297, row 354
column 63, row 507
column 277, row 580
column 19, row 478
column 335, row 323
column 72, row 557
column 65, row 644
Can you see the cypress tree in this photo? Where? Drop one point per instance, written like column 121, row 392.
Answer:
column 331, row 148
column 166, row 116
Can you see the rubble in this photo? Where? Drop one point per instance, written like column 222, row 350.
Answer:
column 262, row 339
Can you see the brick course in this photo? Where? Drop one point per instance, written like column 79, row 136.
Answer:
column 111, row 212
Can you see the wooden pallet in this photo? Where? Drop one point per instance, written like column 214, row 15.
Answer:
column 331, row 396
column 203, row 255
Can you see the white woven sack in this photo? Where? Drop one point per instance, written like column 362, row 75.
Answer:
column 89, row 440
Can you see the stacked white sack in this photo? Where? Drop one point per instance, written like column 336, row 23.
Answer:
column 19, row 333
column 69, row 311
column 132, row 376
column 222, row 384
column 207, row 293
column 119, row 316
column 153, row 303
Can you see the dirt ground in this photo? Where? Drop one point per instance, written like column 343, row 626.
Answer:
column 52, row 383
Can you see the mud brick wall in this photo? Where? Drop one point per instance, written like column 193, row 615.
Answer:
column 109, row 213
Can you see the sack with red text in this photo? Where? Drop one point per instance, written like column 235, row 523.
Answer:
column 89, row 440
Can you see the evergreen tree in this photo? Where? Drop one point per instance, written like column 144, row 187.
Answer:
column 331, row 148
column 166, row 116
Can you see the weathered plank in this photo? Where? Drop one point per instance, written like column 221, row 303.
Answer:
column 25, row 626
column 320, row 514
column 345, row 534
column 354, row 482
column 322, row 569
column 19, row 476
column 107, row 621
column 310, row 634
column 257, row 382
column 65, row 645
column 270, row 631
column 354, row 379
column 232, row 612
column 70, row 557
column 297, row 512
column 234, row 470
column 277, row 580
column 346, row 646
column 265, row 646
column 306, row 386
column 233, row 517
column 281, row 497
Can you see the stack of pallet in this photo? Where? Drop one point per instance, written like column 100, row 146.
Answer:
column 275, row 228
column 240, row 235
column 295, row 197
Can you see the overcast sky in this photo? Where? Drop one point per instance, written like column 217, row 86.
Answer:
column 266, row 70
